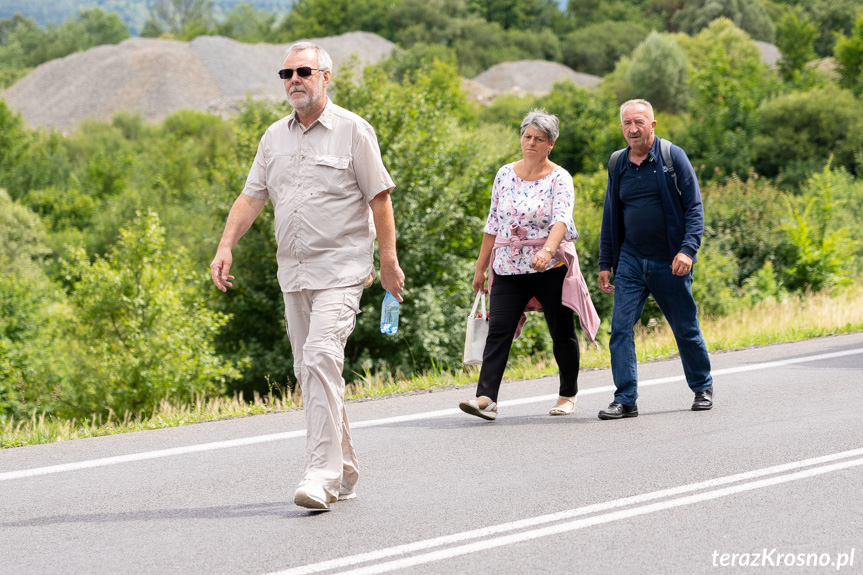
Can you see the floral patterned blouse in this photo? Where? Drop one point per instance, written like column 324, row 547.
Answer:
column 534, row 205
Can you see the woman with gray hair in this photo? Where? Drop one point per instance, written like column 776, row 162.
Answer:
column 528, row 250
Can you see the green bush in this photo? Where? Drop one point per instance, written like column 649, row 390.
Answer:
column 596, row 48
column 659, row 73
column 139, row 331
column 744, row 218
column 799, row 132
column 728, row 82
column 25, row 308
column 849, row 55
column 715, row 281
column 748, row 15
column 818, row 257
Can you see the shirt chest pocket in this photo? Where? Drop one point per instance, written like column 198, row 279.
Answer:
column 331, row 174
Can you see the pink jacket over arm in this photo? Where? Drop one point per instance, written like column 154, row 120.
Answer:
column 575, row 293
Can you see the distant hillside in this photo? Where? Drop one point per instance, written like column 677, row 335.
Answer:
column 133, row 12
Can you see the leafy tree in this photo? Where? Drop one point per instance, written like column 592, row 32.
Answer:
column 424, row 21
column 799, row 132
column 818, row 257
column 849, row 54
column 517, row 14
column 102, row 27
column 659, row 73
column 587, row 12
column 24, row 45
column 316, row 18
column 749, row 15
column 479, row 45
column 20, row 38
column 404, row 62
column 795, row 37
column 12, row 134
column 41, row 161
column 476, row 43
column 140, row 331
column 728, row 82
column 616, row 84
column 245, row 24
column 596, row 48
column 181, row 19
column 508, row 109
column 589, row 127
column 832, row 17
column 25, row 306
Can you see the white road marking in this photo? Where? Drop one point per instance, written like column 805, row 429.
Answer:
column 106, row 461
column 601, row 513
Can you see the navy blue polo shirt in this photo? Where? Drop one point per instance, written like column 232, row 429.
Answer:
column 644, row 231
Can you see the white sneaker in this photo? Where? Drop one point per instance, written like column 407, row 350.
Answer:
column 312, row 496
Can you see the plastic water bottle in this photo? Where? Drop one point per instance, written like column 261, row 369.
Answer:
column 390, row 314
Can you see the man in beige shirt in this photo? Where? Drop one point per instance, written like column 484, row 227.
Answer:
column 322, row 169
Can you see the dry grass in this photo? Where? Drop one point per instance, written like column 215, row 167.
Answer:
column 793, row 319
column 39, row 429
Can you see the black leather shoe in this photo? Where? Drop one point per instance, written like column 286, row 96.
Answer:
column 617, row 411
column 703, row 400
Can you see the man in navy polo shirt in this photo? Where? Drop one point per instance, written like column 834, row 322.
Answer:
column 651, row 231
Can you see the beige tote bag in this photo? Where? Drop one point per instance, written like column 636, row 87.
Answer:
column 476, row 332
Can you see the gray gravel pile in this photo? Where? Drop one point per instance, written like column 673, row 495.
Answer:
column 532, row 77
column 157, row 77
column 770, row 53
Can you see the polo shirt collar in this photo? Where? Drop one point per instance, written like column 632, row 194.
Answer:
column 651, row 154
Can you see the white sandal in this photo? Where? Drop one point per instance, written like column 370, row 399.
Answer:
column 563, row 410
column 472, row 407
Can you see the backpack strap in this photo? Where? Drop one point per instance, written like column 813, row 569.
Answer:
column 613, row 160
column 665, row 150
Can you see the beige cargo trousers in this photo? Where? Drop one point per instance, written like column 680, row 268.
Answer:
column 318, row 323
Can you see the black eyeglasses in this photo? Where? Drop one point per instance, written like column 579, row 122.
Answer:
column 302, row 72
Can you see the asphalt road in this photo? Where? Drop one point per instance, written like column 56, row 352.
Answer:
column 770, row 480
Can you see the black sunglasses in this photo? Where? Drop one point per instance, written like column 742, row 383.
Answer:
column 302, row 72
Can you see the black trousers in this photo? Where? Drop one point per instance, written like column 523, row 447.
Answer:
column 509, row 296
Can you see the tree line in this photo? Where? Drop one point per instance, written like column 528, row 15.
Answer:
column 589, row 36
column 108, row 230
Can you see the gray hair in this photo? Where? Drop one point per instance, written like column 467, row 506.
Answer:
column 542, row 121
column 630, row 103
column 324, row 60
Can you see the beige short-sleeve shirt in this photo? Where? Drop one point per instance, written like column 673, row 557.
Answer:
column 320, row 180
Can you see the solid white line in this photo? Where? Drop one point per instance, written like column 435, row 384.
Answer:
column 641, row 499
column 106, row 461
column 485, row 545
